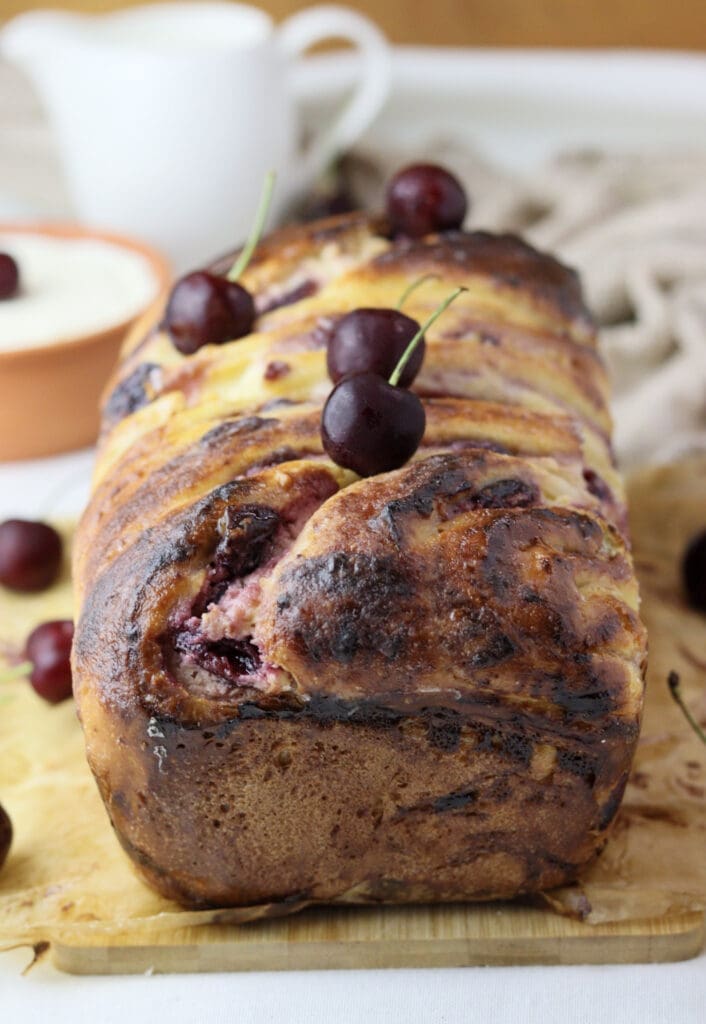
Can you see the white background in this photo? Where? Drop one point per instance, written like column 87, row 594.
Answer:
column 655, row 994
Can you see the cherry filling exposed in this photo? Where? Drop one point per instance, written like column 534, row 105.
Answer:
column 215, row 647
column 228, row 659
column 247, row 537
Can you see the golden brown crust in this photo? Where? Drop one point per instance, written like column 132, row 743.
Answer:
column 423, row 685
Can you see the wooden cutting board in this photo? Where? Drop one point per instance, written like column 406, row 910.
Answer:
column 356, row 937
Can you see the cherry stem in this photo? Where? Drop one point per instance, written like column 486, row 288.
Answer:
column 260, row 217
column 412, row 288
column 409, row 351
column 16, row 672
column 674, row 689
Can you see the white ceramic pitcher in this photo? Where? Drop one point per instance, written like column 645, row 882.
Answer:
column 168, row 116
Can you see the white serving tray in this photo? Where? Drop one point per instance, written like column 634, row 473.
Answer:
column 519, row 106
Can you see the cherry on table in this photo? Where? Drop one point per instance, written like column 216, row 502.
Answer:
column 49, row 649
column 371, row 426
column 205, row 309
column 9, row 276
column 5, row 835
column 694, row 572
column 30, row 555
column 373, row 341
column 423, row 199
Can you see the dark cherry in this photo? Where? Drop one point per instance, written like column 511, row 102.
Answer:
column 423, row 199
column 370, row 426
column 694, row 572
column 5, row 835
column 30, row 555
column 49, row 649
column 9, row 276
column 205, row 309
column 373, row 341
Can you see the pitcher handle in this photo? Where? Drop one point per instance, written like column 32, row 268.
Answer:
column 328, row 21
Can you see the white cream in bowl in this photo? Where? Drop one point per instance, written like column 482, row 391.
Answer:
column 70, row 287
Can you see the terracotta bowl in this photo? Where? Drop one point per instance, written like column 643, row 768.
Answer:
column 49, row 394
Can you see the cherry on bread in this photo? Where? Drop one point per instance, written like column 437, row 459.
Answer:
column 370, row 424
column 423, row 199
column 206, row 309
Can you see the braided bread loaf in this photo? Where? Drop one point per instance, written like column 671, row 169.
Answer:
column 297, row 685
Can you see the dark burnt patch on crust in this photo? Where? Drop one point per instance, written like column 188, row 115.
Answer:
column 444, row 727
column 459, row 800
column 579, row 763
column 497, row 648
column 368, row 593
column 513, row 744
column 448, row 486
column 510, row 493
column 323, row 709
column 508, row 536
column 506, row 259
column 591, row 703
column 449, row 723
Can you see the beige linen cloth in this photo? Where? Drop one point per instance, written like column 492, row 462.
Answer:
column 635, row 229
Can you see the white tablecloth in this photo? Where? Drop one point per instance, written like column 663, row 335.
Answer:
column 658, row 994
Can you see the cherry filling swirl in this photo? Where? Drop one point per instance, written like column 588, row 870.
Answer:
column 213, row 647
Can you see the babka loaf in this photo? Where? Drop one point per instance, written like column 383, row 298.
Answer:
column 299, row 685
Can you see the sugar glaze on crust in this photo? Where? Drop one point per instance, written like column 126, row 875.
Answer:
column 296, row 685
